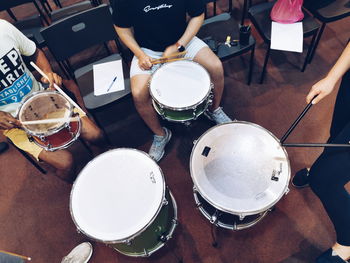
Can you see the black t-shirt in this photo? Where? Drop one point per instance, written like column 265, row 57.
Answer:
column 157, row 23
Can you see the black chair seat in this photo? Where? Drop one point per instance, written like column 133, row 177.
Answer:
column 260, row 16
column 332, row 11
column 219, row 30
column 85, row 79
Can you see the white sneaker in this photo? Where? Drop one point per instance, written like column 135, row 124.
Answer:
column 159, row 142
column 80, row 254
column 218, row 115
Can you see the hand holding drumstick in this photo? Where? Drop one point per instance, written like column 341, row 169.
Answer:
column 170, row 58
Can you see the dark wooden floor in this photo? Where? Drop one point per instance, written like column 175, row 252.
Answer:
column 34, row 208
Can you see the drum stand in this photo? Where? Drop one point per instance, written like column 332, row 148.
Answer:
column 296, row 122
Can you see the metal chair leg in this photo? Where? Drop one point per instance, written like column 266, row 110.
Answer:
column 265, row 64
column 251, row 65
column 306, row 61
column 213, row 236
column 319, row 34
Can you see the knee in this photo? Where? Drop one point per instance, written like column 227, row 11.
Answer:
column 140, row 95
column 65, row 162
column 216, row 68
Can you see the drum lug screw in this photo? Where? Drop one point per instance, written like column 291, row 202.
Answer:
column 165, row 202
column 78, row 231
column 194, row 143
column 287, row 191
column 241, row 217
column 214, row 217
column 128, row 242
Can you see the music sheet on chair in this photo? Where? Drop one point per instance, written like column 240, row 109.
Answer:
column 108, row 77
column 287, row 37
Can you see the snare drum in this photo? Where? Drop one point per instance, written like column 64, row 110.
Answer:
column 48, row 105
column 240, row 171
column 180, row 90
column 120, row 199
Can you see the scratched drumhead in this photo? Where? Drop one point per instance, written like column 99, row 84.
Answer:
column 42, row 106
column 180, row 84
column 240, row 168
column 117, row 195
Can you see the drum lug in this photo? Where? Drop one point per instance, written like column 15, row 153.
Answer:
column 49, row 146
column 30, row 138
column 287, row 191
column 214, row 217
column 42, row 138
column 146, row 252
column 241, row 217
column 194, row 143
column 78, row 231
column 165, row 202
column 128, row 242
column 234, row 225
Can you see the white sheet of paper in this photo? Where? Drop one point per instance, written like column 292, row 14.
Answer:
column 104, row 74
column 287, row 37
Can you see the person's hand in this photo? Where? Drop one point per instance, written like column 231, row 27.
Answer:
column 53, row 78
column 145, row 62
column 322, row 88
column 170, row 50
column 7, row 121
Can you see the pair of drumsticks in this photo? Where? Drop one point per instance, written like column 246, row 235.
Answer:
column 171, row 58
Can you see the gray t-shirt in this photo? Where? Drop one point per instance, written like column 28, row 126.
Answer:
column 16, row 81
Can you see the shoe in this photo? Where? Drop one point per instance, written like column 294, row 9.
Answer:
column 218, row 115
column 301, row 178
column 3, row 147
column 159, row 142
column 330, row 256
column 80, row 254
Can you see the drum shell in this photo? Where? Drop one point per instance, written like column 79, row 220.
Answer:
column 149, row 241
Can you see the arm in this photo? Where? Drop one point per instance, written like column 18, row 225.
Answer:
column 7, row 121
column 326, row 85
column 192, row 29
column 41, row 61
column 127, row 36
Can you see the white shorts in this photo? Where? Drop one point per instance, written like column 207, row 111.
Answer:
column 192, row 49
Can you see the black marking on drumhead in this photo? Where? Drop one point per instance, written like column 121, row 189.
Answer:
column 206, row 151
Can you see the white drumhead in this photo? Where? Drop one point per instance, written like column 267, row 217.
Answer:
column 117, row 194
column 180, row 84
column 235, row 176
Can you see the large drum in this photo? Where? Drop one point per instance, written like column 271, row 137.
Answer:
column 240, row 171
column 180, row 90
column 49, row 105
column 120, row 198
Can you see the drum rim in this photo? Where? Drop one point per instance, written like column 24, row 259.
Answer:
column 192, row 107
column 198, row 189
column 53, row 131
column 64, row 146
column 138, row 232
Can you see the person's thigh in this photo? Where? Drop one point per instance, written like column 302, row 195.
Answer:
column 209, row 61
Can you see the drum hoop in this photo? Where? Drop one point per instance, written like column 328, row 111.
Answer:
column 138, row 232
column 198, row 189
column 50, row 131
column 64, row 146
column 194, row 106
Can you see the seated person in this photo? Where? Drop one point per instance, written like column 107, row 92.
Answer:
column 16, row 82
column 153, row 30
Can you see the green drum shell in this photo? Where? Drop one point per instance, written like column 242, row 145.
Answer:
column 182, row 115
column 149, row 241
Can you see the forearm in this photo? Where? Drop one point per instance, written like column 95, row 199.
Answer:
column 41, row 61
column 341, row 66
column 127, row 36
column 192, row 29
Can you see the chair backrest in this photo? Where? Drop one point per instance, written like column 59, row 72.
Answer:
column 215, row 8
column 70, row 10
column 78, row 32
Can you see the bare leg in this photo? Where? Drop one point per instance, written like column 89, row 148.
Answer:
column 212, row 63
column 143, row 103
column 62, row 160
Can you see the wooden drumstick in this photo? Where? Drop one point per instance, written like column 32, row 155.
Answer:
column 16, row 255
column 56, row 86
column 49, row 121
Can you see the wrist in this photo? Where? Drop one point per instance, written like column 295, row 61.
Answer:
column 179, row 47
